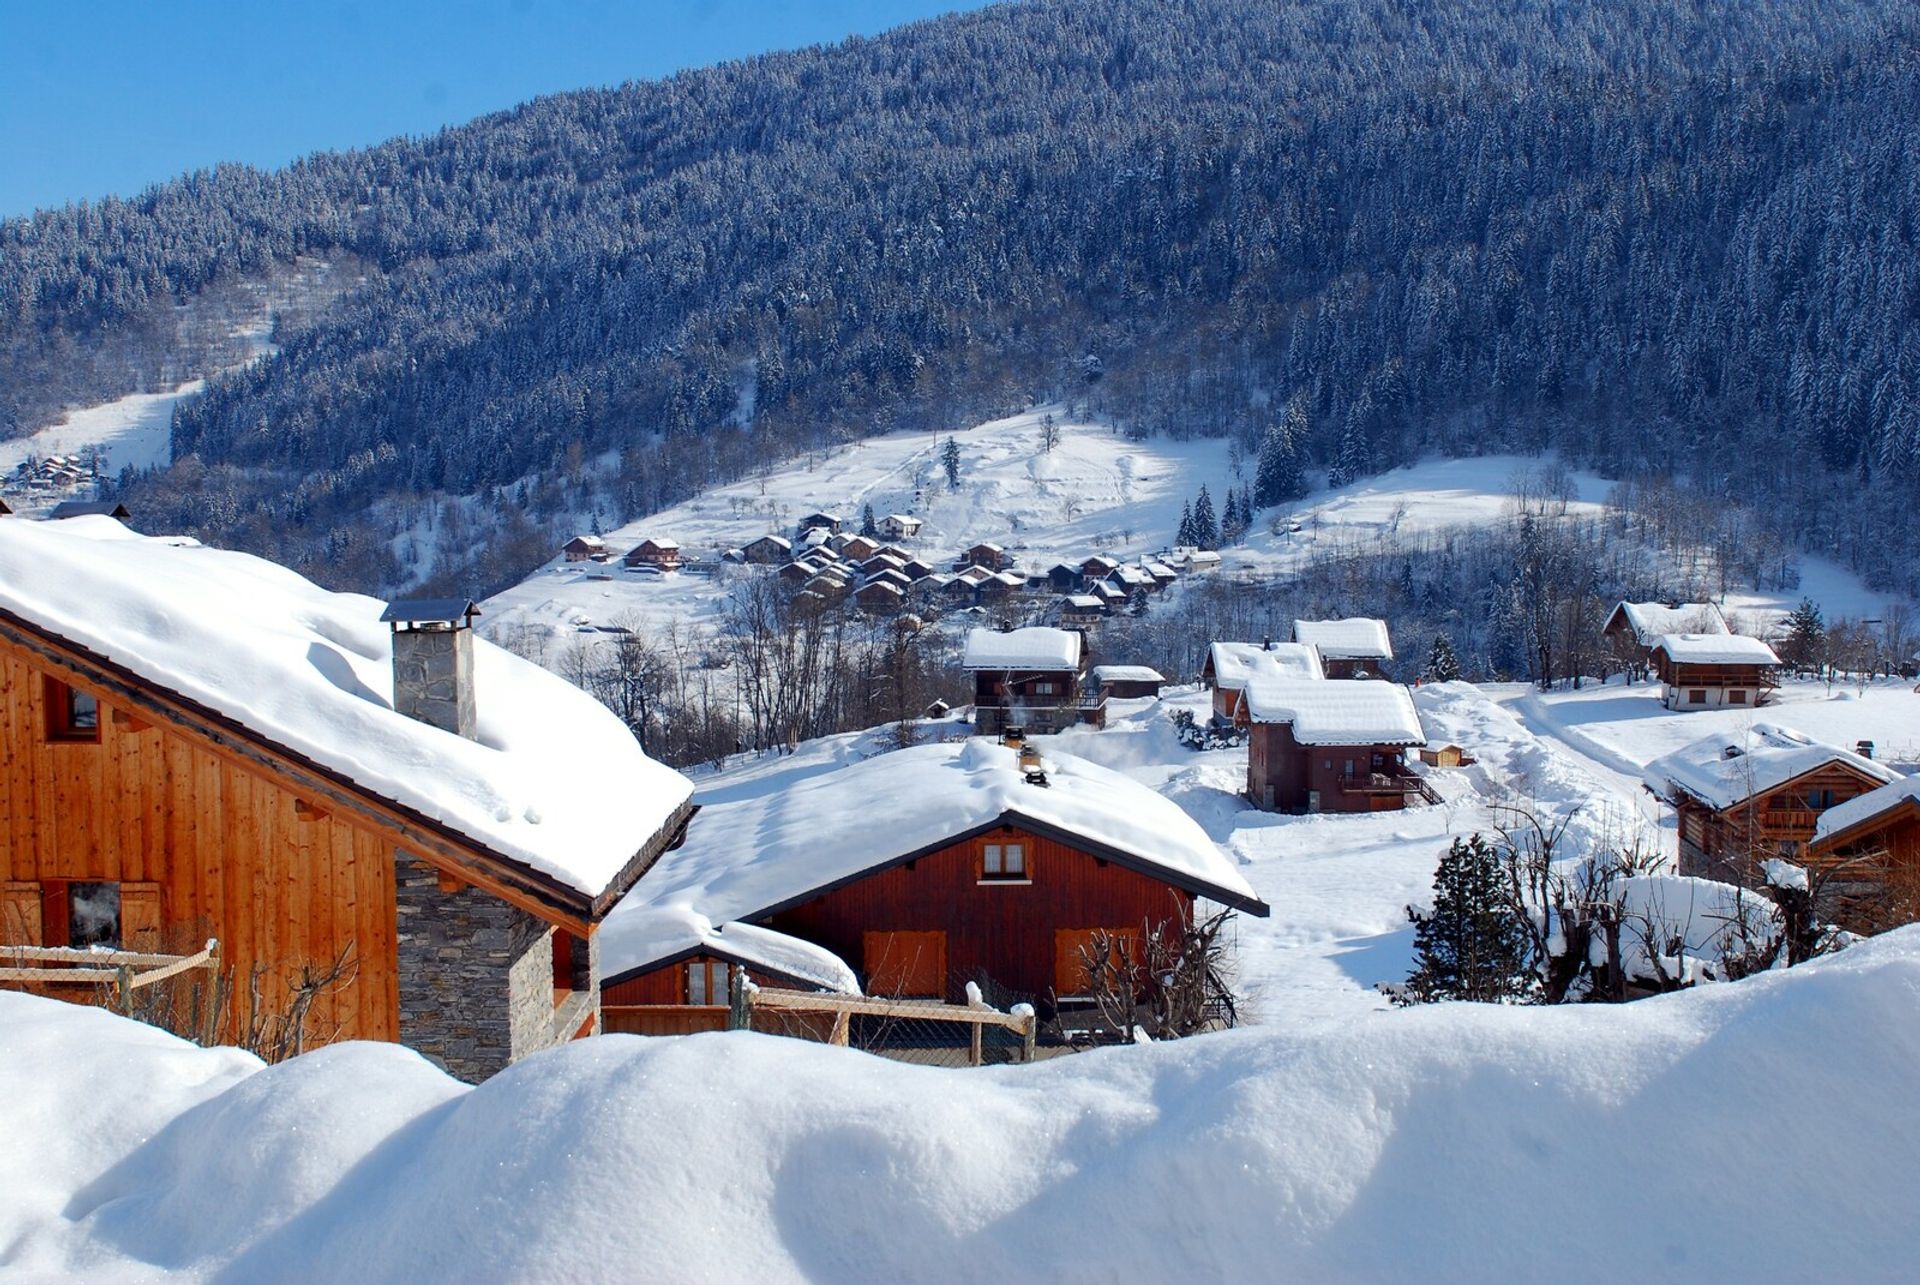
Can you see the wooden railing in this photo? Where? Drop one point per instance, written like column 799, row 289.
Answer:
column 1021, row 1021
column 115, row 968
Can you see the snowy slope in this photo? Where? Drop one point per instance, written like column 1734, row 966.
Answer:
column 1451, row 1143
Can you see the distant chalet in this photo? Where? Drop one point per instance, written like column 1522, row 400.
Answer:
column 1633, row 628
column 1357, row 647
column 1317, row 745
column 1713, row 671
column 661, row 553
column 1027, row 678
column 1229, row 666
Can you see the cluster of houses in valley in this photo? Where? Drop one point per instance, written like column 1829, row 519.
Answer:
column 46, row 476
column 880, row 573
column 206, row 745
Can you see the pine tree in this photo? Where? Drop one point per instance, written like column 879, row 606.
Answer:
column 868, row 527
column 1351, row 463
column 1137, row 603
column 1232, row 525
column 1443, row 666
column 950, row 461
column 1805, row 644
column 1206, row 528
column 1471, row 945
column 1184, row 538
column 1278, row 474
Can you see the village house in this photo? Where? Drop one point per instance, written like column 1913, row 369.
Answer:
column 1634, row 627
column 880, row 596
column 990, row 556
column 899, row 526
column 583, row 548
column 1027, row 678
column 1229, row 664
column 1711, row 671
column 1321, row 746
column 1097, row 567
column 220, row 749
column 768, row 550
column 1357, row 647
column 1126, row 682
column 856, row 548
column 1868, row 850
column 1746, row 796
column 923, row 870
column 661, row 553
column 1063, row 577
column 828, row 523
column 1081, row 611
column 1196, row 561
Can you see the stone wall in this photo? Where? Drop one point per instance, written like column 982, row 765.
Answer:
column 476, row 974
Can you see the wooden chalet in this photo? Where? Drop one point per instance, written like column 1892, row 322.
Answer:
column 1357, row 647
column 922, row 870
column 1714, row 671
column 1745, row 797
column 90, row 509
column 1316, row 745
column 1063, row 577
column 1097, row 567
column 584, row 548
column 1868, row 850
column 768, row 550
column 283, row 770
column 1633, row 628
column 1081, row 611
column 1126, row 682
column 880, row 596
column 1027, row 678
column 858, row 548
column 900, row 526
column 828, row 522
column 662, row 553
column 1229, row 665
column 990, row 556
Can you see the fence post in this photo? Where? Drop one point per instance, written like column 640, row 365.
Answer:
column 973, row 1045
column 739, row 1013
column 1028, row 1032
column 124, row 976
column 842, row 1022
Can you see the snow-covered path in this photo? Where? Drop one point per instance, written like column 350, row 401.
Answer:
column 1607, row 766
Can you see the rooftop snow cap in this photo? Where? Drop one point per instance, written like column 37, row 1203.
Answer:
column 433, row 662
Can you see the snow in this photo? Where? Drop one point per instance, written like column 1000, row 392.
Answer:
column 1867, row 807
column 1650, row 620
column 646, row 935
column 136, row 430
column 1355, row 638
column 1126, row 674
column 1722, row 769
column 1431, row 1143
column 312, row 671
column 775, row 838
column 1035, row 647
column 1233, row 663
column 1715, row 649
column 1335, row 711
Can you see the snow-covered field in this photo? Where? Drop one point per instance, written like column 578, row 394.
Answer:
column 134, row 430
column 1715, row 1134
column 1096, row 492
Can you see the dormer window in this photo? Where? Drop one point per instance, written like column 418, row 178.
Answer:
column 72, row 715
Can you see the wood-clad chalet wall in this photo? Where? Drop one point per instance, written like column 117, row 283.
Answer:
column 1873, row 880
column 1729, row 844
column 220, row 848
column 1012, row 931
column 1306, row 778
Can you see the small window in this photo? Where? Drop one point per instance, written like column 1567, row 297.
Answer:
column 706, row 982
column 1736, row 697
column 1043, row 689
column 1696, row 696
column 1003, row 860
column 93, row 915
column 72, row 715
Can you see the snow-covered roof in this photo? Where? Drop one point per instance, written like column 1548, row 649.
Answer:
column 658, row 543
column 780, row 541
column 1729, row 767
column 1650, row 620
column 1126, row 674
column 1234, row 662
column 902, row 519
column 1715, row 649
column 1084, row 601
column 1355, row 638
column 1035, row 647
column 749, row 856
column 1325, row 713
column 1867, row 807
column 311, row 671
column 637, row 936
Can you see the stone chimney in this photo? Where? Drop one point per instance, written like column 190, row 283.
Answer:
column 433, row 662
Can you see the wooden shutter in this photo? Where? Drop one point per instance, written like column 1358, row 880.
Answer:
column 141, row 913
column 906, row 963
column 1069, row 965
column 20, row 915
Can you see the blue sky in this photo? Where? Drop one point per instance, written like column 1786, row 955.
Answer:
column 109, row 96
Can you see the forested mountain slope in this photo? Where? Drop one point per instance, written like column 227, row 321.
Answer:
column 1673, row 238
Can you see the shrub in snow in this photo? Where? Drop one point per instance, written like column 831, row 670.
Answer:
column 1472, row 945
column 1196, row 735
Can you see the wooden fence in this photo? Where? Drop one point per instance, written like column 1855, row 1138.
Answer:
column 126, row 971
column 745, row 999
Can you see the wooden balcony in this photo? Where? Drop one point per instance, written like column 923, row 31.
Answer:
column 1789, row 823
column 1039, row 720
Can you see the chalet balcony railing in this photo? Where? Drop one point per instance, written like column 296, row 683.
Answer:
column 1387, row 784
column 1794, row 823
column 1040, row 719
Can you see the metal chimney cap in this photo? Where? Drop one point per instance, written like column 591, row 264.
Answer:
column 454, row 612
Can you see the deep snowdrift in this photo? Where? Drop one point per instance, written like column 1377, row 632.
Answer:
column 1758, row 1131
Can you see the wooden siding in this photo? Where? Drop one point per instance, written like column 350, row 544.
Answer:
column 1319, row 778
column 218, row 848
column 1005, row 930
column 1730, row 843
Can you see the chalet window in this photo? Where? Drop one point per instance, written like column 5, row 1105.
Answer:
column 1003, row 861
column 706, row 982
column 1696, row 696
column 1819, row 800
column 72, row 715
column 1043, row 689
column 1736, row 697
